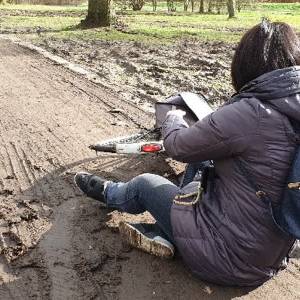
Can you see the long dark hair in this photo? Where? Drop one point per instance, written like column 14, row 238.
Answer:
column 264, row 48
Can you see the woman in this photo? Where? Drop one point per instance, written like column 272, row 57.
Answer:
column 227, row 235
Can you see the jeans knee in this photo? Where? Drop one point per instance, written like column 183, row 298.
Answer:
column 145, row 179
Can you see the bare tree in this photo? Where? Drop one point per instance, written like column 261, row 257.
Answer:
column 154, row 4
column 240, row 4
column 186, row 4
column 219, row 5
column 99, row 13
column 231, row 8
column 210, row 6
column 201, row 7
column 171, row 6
column 137, row 4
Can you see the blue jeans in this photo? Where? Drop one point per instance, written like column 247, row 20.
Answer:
column 145, row 192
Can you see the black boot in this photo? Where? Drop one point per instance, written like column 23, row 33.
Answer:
column 91, row 185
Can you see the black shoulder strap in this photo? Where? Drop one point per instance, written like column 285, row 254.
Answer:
column 296, row 127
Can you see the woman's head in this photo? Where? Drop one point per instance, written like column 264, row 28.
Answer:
column 264, row 48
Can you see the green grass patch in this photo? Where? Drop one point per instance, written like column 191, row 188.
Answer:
column 106, row 34
column 49, row 23
column 286, row 8
column 171, row 34
column 148, row 27
column 43, row 8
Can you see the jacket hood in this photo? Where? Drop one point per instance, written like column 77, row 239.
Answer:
column 279, row 88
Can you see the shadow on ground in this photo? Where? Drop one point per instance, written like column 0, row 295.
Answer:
column 78, row 252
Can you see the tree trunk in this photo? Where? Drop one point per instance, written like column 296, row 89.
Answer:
column 186, row 4
column 231, row 8
column 193, row 5
column 239, row 5
column 154, row 4
column 201, row 8
column 99, row 13
column 210, row 5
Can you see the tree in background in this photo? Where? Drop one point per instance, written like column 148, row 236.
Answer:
column 99, row 13
column 171, row 6
column 211, row 6
column 231, row 8
column 201, row 7
column 137, row 4
column 186, row 4
column 244, row 3
column 154, row 4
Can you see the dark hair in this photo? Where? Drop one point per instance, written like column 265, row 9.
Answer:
column 264, row 48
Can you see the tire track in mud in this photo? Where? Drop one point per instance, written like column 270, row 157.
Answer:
column 46, row 124
column 10, row 165
column 58, row 243
column 21, row 169
column 58, row 257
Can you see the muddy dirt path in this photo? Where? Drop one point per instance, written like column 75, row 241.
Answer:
column 55, row 243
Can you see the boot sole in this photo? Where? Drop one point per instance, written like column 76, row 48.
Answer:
column 136, row 239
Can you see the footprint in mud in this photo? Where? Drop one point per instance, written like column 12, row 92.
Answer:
column 11, row 246
column 133, row 54
column 8, row 239
column 6, row 192
column 128, row 66
column 116, row 54
column 156, row 69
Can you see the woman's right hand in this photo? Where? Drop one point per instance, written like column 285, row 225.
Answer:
column 177, row 112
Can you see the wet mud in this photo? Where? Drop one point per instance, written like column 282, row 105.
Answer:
column 54, row 242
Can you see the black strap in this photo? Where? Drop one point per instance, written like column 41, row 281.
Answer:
column 296, row 127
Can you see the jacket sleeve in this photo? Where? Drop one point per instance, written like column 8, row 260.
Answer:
column 224, row 133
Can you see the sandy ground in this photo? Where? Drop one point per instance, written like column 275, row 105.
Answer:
column 56, row 243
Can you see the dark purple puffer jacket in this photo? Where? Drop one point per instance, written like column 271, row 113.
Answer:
column 229, row 236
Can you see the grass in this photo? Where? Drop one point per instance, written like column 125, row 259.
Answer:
column 49, row 23
column 52, row 8
column 148, row 27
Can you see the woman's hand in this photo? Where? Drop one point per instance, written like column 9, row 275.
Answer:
column 177, row 112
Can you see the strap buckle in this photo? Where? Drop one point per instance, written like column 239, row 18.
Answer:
column 179, row 199
column 260, row 194
column 294, row 185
